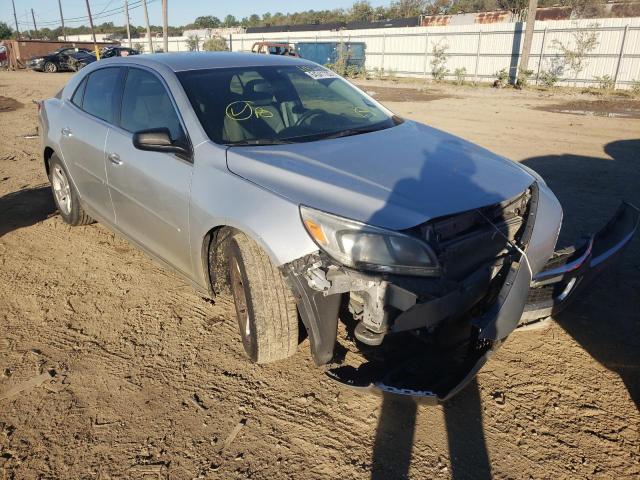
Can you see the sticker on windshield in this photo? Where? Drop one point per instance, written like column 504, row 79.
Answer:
column 242, row 110
column 318, row 73
column 362, row 112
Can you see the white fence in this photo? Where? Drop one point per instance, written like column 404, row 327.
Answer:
column 485, row 49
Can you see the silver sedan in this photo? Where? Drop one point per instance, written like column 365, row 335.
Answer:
column 278, row 179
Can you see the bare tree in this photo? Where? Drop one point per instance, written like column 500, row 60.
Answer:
column 574, row 54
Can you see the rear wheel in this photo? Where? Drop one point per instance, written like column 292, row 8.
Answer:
column 265, row 307
column 50, row 67
column 65, row 195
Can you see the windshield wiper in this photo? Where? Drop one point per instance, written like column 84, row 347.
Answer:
column 352, row 131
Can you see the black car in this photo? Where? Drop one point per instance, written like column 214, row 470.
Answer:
column 65, row 58
column 118, row 52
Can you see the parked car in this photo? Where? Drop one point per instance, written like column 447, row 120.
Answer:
column 4, row 59
column 274, row 48
column 311, row 200
column 117, row 51
column 62, row 59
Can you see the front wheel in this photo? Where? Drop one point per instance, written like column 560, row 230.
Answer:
column 50, row 67
column 265, row 306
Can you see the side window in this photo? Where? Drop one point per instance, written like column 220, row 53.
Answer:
column 101, row 92
column 146, row 104
column 79, row 93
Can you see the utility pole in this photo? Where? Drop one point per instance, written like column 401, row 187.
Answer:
column 64, row 32
column 93, row 32
column 165, row 26
column 126, row 16
column 146, row 19
column 15, row 17
column 34, row 22
column 528, row 34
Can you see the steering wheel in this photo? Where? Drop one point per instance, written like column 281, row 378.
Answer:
column 314, row 112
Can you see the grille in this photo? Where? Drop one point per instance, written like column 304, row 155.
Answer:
column 464, row 242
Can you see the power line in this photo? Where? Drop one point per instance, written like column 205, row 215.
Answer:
column 104, row 14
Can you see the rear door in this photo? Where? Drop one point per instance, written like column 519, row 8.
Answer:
column 150, row 190
column 87, row 118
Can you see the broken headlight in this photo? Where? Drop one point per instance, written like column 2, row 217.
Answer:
column 358, row 245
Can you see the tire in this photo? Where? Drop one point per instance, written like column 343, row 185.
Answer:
column 65, row 195
column 50, row 67
column 265, row 306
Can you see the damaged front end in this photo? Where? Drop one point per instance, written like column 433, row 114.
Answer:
column 427, row 336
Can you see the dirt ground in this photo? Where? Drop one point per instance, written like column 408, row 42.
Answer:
column 112, row 367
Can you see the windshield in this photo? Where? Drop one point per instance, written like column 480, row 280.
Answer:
column 280, row 104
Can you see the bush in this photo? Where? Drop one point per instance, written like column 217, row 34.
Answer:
column 438, row 64
column 605, row 82
column 549, row 78
column 348, row 71
column 355, row 71
column 193, row 43
column 502, row 76
column 215, row 44
column 635, row 87
column 523, row 77
column 460, row 74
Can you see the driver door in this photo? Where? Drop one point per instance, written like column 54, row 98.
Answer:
column 150, row 190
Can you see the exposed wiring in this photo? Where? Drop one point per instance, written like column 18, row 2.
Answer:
column 510, row 242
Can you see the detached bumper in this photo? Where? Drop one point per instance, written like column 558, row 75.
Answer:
column 432, row 372
column 573, row 268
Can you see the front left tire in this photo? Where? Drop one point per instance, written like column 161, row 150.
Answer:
column 265, row 306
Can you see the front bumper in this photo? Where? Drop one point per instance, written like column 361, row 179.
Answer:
column 432, row 371
column 35, row 65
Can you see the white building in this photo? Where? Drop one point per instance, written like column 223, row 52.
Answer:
column 85, row 37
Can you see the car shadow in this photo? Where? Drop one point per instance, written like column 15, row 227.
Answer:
column 605, row 319
column 393, row 444
column 25, row 207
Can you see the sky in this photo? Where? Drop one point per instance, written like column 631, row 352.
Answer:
column 181, row 12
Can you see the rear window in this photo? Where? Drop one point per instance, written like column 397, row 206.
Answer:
column 78, row 94
column 101, row 92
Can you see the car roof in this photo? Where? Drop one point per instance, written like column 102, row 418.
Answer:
column 179, row 62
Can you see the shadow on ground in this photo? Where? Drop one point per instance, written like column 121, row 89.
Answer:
column 605, row 321
column 24, row 208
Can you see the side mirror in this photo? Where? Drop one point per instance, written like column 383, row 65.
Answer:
column 158, row 140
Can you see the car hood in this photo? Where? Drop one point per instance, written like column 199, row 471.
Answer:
column 394, row 178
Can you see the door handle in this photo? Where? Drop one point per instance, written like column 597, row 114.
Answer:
column 66, row 132
column 114, row 158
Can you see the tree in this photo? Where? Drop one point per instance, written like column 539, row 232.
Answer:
column 361, row 11
column 254, row 20
column 192, row 43
column 575, row 57
column 5, row 31
column 215, row 44
column 230, row 21
column 407, row 8
column 208, row 21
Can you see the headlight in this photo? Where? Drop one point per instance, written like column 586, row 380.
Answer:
column 366, row 247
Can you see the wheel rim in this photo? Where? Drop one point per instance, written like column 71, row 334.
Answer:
column 240, row 299
column 61, row 190
column 50, row 67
